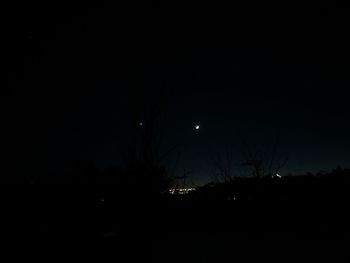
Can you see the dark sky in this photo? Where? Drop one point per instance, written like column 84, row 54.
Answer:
column 70, row 70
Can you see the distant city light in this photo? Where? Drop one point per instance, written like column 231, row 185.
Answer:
column 197, row 127
column 278, row 176
column 141, row 123
column 181, row 191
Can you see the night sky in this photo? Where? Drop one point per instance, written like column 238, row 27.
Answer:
column 70, row 71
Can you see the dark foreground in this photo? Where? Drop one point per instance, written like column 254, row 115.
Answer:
column 63, row 220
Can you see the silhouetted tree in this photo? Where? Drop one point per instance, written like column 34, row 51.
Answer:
column 142, row 139
column 223, row 164
column 263, row 162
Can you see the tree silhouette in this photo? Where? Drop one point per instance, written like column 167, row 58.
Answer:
column 142, row 139
column 263, row 162
column 223, row 164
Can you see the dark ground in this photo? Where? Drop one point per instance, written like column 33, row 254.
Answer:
column 57, row 222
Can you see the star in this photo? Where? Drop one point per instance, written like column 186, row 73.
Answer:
column 197, row 127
